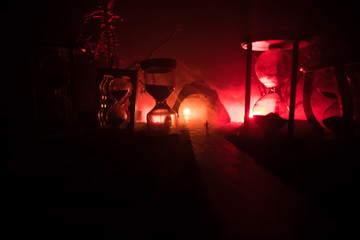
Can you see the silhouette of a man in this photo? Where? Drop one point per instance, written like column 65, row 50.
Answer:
column 206, row 124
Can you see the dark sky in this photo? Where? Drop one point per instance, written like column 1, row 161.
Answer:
column 209, row 44
column 212, row 30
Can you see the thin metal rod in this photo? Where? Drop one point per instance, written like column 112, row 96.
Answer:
column 248, row 86
column 346, row 101
column 72, row 83
column 294, row 70
column 308, row 85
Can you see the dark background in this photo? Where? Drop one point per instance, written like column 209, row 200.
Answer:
column 209, row 42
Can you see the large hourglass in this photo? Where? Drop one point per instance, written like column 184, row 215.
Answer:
column 273, row 71
column 277, row 70
column 160, row 83
column 118, row 114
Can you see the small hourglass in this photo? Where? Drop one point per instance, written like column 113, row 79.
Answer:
column 160, row 83
column 326, row 85
column 273, row 70
column 118, row 114
column 332, row 118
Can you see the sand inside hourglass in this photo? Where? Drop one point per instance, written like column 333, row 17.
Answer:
column 159, row 78
column 159, row 92
column 270, row 121
column 271, row 111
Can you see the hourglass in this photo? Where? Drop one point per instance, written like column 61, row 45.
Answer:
column 116, row 97
column 118, row 114
column 273, row 71
column 160, row 83
column 326, row 86
column 329, row 98
column 274, row 68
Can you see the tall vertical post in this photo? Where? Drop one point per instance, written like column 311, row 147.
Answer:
column 72, row 83
column 346, row 101
column 308, row 85
column 248, row 85
column 294, row 69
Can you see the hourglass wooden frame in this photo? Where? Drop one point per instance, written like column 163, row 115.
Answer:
column 263, row 43
column 118, row 73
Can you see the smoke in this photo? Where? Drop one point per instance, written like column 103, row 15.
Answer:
column 229, row 82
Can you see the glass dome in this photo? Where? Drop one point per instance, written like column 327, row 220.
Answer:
column 273, row 68
column 271, row 111
column 120, row 88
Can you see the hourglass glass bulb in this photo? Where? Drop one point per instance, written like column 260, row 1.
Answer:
column 332, row 117
column 271, row 111
column 120, row 88
column 118, row 114
column 273, row 68
column 326, row 84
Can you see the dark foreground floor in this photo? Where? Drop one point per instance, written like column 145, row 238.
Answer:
column 108, row 184
column 105, row 184
column 325, row 171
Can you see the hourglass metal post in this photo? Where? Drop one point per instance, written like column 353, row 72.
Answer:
column 248, row 85
column 294, row 70
column 346, row 99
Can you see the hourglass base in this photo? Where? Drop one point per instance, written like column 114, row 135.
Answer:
column 162, row 120
column 332, row 118
column 270, row 121
column 117, row 117
column 333, row 123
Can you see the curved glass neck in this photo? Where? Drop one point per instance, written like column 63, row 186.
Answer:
column 275, row 89
column 162, row 104
column 159, row 92
column 162, row 107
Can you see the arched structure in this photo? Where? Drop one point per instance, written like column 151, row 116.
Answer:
column 217, row 113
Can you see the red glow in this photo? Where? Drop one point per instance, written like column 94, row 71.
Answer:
column 158, row 119
column 187, row 112
column 144, row 105
column 232, row 98
column 236, row 111
column 193, row 109
column 264, row 45
column 261, row 111
column 235, row 108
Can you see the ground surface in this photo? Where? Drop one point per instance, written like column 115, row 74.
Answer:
column 106, row 184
